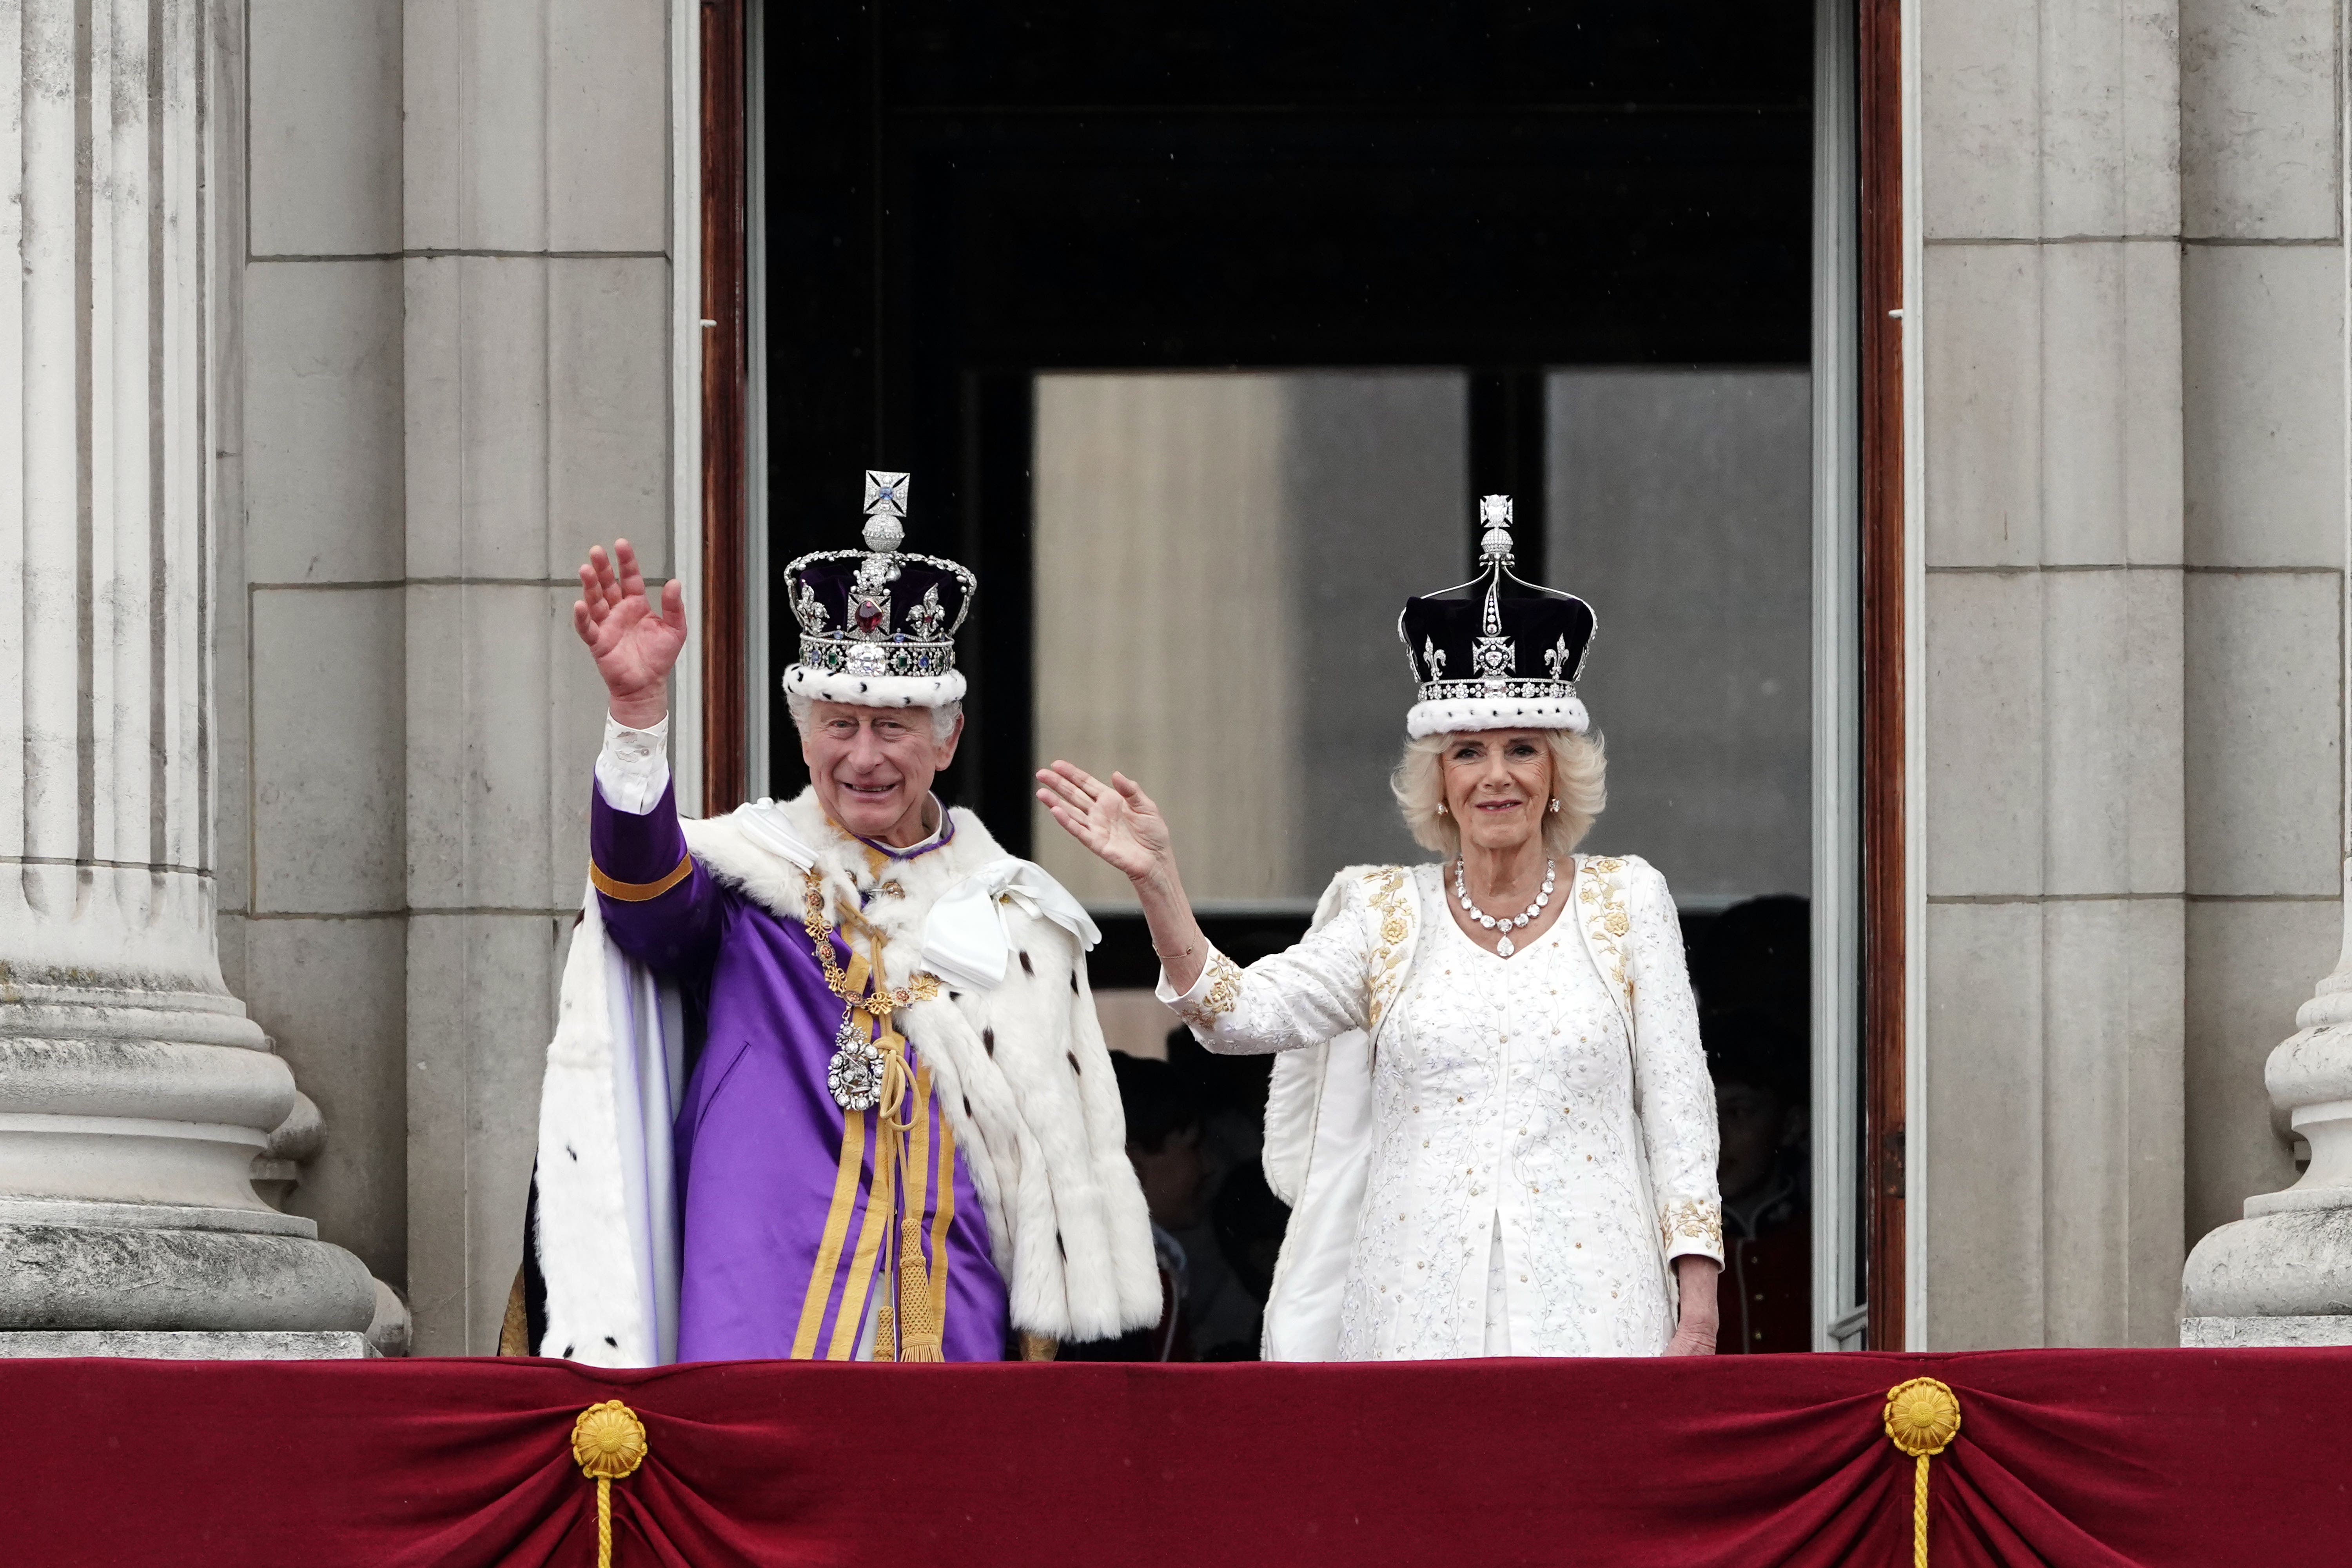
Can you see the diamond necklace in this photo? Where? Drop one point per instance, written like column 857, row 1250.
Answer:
column 1507, row 923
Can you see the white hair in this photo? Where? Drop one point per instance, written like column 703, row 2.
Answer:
column 943, row 717
column 1579, row 781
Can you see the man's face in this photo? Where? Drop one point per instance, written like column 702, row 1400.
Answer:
column 873, row 767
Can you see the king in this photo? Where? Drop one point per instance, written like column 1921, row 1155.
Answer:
column 826, row 1079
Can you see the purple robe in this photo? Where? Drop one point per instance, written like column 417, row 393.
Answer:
column 781, row 1255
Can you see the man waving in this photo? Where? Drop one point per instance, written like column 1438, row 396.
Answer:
column 826, row 1079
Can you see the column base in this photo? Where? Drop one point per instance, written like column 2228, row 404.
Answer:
column 2224, row 1334
column 185, row 1345
column 150, row 1269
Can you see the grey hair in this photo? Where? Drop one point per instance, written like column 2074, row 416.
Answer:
column 1579, row 781
column 943, row 717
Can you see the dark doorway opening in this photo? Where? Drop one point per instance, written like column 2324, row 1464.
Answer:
column 960, row 198
column 961, row 195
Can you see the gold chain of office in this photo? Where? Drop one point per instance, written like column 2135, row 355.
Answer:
column 880, row 1002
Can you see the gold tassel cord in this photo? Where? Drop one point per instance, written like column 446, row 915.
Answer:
column 1922, row 1417
column 608, row 1443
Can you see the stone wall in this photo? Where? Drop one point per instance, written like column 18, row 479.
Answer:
column 2130, row 313
column 453, row 293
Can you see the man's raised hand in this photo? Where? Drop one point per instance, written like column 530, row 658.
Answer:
column 634, row 647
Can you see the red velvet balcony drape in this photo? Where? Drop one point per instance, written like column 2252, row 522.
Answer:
column 2089, row 1458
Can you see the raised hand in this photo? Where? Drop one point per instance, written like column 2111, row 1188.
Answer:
column 1116, row 821
column 633, row 646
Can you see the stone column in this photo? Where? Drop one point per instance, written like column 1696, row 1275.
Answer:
column 135, row 1090
column 2266, row 322
column 2047, row 313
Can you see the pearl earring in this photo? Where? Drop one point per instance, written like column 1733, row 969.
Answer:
column 1555, row 802
column 1440, row 808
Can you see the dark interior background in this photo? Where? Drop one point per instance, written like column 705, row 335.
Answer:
column 962, row 194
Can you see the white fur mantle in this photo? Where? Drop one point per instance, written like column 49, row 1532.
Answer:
column 1020, row 1070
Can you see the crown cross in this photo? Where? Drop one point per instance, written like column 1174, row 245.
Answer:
column 1494, row 514
column 885, row 503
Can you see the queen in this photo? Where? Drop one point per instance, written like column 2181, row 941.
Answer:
column 1492, row 1118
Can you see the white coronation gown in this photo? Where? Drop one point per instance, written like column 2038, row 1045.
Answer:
column 1529, row 1166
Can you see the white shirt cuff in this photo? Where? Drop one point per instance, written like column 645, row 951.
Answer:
column 1170, row 997
column 634, row 767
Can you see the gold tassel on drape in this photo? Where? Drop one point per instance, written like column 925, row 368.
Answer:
column 1922, row 1417
column 608, row 1442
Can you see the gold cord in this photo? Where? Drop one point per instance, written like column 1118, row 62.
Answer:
column 1921, row 1418
column 1919, row 1514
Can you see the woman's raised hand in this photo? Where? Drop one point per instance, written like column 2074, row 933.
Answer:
column 633, row 646
column 1117, row 820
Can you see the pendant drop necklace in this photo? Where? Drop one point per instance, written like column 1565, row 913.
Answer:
column 1506, row 923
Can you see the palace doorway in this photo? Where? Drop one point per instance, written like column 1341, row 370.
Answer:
column 1200, row 331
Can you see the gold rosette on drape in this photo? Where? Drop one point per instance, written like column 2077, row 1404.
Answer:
column 1922, row 1417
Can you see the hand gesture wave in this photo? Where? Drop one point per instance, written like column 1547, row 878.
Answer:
column 633, row 646
column 1116, row 821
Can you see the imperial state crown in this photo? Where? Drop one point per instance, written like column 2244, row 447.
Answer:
column 879, row 625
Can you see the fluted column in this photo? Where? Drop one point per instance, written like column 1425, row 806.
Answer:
column 135, row 1090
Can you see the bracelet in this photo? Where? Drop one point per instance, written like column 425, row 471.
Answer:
column 1166, row 958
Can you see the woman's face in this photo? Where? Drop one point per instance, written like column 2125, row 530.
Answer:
column 1497, row 786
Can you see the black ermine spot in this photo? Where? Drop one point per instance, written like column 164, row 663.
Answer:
column 1073, row 983
column 1027, row 967
column 567, row 1353
column 1059, row 1247
column 611, row 1342
column 571, row 1151
column 955, row 995
column 1072, row 1058
column 988, row 1040
column 967, row 1107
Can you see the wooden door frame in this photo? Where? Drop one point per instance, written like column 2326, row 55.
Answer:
column 1886, row 904
column 1884, row 922
column 726, row 406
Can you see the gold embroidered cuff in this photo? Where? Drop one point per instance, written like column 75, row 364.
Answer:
column 1224, row 990
column 638, row 892
column 1693, row 1219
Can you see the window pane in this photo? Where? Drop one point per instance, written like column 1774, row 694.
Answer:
column 1680, row 508
column 1221, row 558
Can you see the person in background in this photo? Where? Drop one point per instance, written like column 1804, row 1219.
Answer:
column 1163, row 1143
column 1250, row 1221
column 1765, row 1300
column 1224, row 1301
